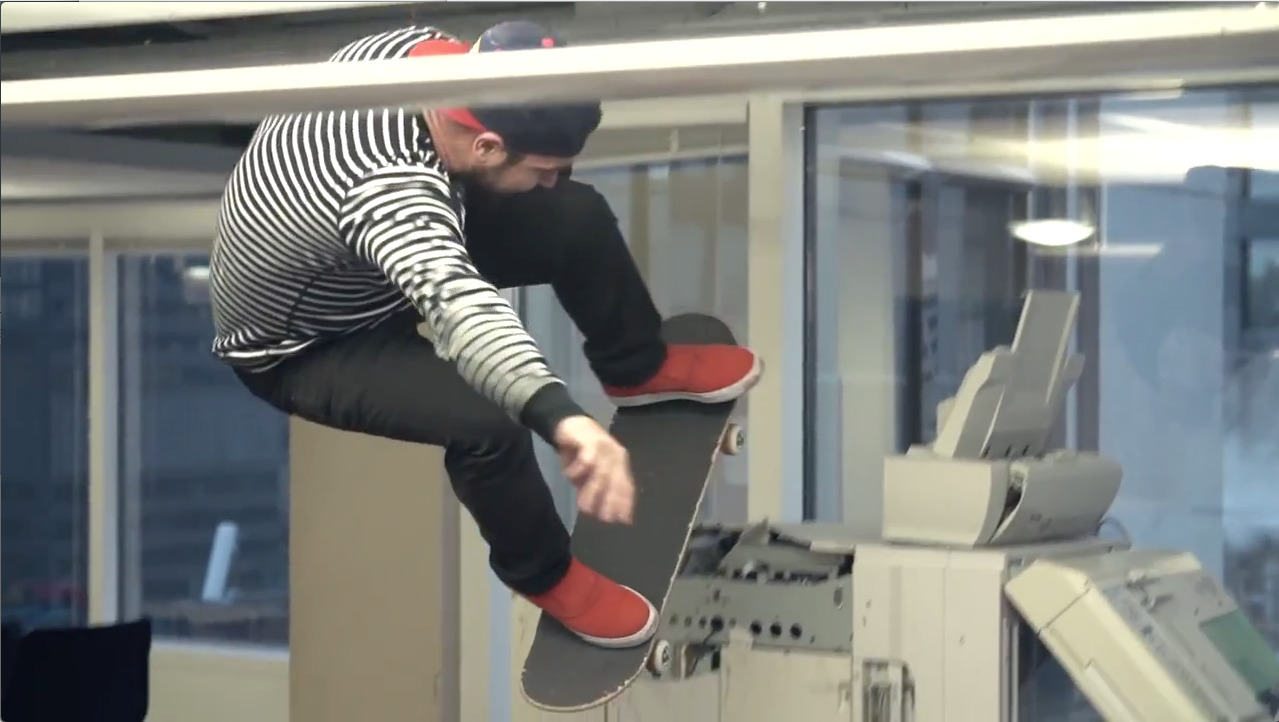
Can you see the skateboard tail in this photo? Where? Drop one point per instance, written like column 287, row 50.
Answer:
column 648, row 647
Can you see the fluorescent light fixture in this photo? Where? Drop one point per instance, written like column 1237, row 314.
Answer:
column 196, row 274
column 1130, row 250
column 1052, row 232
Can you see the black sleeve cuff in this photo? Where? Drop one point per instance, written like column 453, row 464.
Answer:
column 550, row 405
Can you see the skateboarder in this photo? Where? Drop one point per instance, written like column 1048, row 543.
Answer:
column 341, row 232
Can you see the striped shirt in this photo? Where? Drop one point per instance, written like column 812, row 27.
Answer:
column 332, row 222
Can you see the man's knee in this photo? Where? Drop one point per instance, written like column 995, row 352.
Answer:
column 490, row 436
column 489, row 456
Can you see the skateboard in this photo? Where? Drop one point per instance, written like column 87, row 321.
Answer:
column 673, row 447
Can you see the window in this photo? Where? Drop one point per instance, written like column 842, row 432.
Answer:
column 45, row 441
column 920, row 264
column 685, row 223
column 1264, row 185
column 929, row 220
column 1262, row 289
column 203, row 469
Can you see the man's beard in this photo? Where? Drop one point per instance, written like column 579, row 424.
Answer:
column 484, row 178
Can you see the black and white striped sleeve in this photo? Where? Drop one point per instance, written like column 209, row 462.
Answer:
column 401, row 218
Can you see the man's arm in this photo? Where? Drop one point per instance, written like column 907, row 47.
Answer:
column 402, row 220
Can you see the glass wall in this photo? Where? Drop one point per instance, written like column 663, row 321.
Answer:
column 1153, row 207
column 1262, row 294
column 203, row 468
column 685, row 222
column 1261, row 259
column 45, row 441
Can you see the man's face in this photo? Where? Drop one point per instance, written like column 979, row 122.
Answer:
column 495, row 169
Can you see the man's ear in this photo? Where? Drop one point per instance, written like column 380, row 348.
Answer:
column 489, row 149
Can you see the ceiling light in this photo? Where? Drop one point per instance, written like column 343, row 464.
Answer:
column 1054, row 232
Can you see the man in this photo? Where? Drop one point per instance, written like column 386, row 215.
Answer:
column 340, row 232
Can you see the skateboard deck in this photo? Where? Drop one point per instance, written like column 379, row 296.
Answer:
column 673, row 447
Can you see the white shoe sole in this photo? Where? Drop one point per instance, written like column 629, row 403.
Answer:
column 643, row 635
column 728, row 393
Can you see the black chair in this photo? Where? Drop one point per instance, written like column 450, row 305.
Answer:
column 90, row 674
column 8, row 652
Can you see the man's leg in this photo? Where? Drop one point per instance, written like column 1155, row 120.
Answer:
column 568, row 236
column 388, row 382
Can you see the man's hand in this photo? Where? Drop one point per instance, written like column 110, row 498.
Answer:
column 599, row 467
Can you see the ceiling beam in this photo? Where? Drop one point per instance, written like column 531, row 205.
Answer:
column 255, row 43
column 1146, row 44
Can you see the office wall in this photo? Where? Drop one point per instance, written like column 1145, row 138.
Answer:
column 189, row 684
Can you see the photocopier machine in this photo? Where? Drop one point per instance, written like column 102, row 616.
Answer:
column 991, row 594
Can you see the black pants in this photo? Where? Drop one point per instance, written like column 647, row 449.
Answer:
column 388, row 382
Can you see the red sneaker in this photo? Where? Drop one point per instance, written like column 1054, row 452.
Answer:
column 598, row 609
column 710, row 374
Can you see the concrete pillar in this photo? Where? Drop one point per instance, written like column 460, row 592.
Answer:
column 369, row 542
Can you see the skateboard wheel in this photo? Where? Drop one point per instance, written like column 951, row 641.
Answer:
column 661, row 658
column 734, row 439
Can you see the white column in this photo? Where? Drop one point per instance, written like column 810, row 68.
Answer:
column 104, row 503
column 775, row 238
column 130, row 430
column 487, row 617
column 482, row 615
